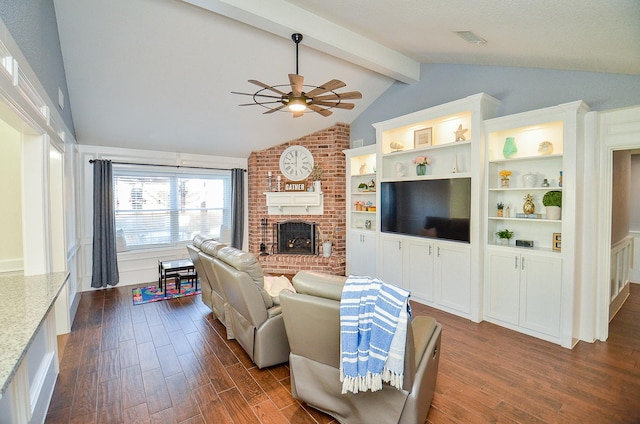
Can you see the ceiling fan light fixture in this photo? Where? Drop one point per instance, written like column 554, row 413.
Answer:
column 319, row 99
column 297, row 104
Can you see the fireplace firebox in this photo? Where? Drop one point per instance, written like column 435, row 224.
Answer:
column 295, row 237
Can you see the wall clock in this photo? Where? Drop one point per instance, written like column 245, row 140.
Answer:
column 296, row 163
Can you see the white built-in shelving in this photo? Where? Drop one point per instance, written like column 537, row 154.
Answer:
column 531, row 289
column 440, row 273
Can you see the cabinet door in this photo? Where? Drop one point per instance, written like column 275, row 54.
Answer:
column 452, row 276
column 418, row 271
column 353, row 241
column 391, row 260
column 361, row 254
column 368, row 255
column 540, row 291
column 503, row 286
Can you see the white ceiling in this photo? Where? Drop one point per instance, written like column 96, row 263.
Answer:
column 158, row 74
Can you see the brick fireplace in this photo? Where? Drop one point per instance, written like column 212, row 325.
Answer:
column 295, row 238
column 326, row 146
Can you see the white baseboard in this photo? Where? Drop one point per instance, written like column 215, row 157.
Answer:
column 11, row 265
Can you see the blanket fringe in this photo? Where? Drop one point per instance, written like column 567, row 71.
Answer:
column 394, row 379
column 370, row 381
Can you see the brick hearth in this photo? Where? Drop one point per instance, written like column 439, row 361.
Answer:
column 326, row 146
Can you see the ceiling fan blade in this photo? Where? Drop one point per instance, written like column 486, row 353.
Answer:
column 340, row 96
column 274, row 109
column 296, row 84
column 261, row 103
column 336, row 105
column 321, row 111
column 297, row 114
column 258, row 95
column 268, row 87
column 328, row 86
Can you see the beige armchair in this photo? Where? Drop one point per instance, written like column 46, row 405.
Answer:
column 257, row 323
column 312, row 321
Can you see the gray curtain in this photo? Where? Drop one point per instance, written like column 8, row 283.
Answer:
column 237, row 207
column 105, row 263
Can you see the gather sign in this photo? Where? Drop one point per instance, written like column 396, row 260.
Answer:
column 294, row 186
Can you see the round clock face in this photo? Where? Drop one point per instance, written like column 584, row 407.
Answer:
column 296, row 163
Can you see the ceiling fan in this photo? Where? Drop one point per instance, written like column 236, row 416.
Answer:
column 318, row 99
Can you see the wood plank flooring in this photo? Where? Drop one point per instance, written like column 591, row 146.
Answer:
column 170, row 362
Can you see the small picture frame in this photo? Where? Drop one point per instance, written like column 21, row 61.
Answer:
column 422, row 137
column 557, row 241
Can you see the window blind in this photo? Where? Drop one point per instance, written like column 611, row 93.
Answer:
column 158, row 208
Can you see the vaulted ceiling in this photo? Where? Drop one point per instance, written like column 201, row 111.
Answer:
column 158, row 74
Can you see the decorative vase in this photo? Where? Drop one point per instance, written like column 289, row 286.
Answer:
column 529, row 180
column 317, row 186
column 528, row 207
column 509, row 148
column 554, row 212
column 326, row 249
column 504, row 182
column 421, row 169
column 500, row 213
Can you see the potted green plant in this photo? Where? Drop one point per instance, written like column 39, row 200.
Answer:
column 500, row 207
column 552, row 200
column 504, row 236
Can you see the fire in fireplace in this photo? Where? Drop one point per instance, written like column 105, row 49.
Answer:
column 296, row 237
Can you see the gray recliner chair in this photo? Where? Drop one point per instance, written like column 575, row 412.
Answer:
column 212, row 294
column 257, row 323
column 312, row 321
column 194, row 249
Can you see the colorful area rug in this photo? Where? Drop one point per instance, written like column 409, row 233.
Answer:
column 142, row 295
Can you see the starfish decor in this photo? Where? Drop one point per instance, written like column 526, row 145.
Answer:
column 460, row 133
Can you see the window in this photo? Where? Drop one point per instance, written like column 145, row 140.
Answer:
column 156, row 208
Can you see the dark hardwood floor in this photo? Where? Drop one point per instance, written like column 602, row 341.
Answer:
column 169, row 362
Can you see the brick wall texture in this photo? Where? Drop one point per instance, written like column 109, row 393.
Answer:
column 326, row 146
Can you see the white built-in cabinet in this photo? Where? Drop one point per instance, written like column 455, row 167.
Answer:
column 392, row 259
column 524, row 290
column 436, row 273
column 362, row 222
column 440, row 273
column 532, row 289
column 361, row 253
column 528, row 289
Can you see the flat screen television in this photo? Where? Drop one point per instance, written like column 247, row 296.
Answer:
column 427, row 208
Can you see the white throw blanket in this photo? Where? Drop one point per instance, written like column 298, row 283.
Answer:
column 373, row 324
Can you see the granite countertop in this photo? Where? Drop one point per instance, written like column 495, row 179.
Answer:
column 24, row 303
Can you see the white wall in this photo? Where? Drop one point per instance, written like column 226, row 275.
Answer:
column 11, row 255
column 617, row 130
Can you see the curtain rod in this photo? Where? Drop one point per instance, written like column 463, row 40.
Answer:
column 170, row 166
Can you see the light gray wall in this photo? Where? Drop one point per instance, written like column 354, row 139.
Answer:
column 634, row 201
column 519, row 90
column 32, row 24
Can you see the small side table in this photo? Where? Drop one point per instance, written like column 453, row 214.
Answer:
column 176, row 269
